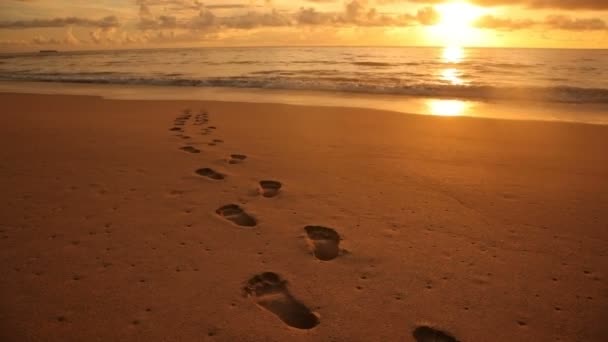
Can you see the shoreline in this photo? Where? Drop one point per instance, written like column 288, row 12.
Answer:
column 595, row 114
column 135, row 220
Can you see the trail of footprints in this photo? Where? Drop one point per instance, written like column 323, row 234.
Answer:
column 268, row 290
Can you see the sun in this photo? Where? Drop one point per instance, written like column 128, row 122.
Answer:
column 456, row 23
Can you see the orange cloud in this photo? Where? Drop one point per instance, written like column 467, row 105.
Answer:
column 556, row 22
column 558, row 4
column 107, row 22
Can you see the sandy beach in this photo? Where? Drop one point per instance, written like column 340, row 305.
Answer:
column 217, row 221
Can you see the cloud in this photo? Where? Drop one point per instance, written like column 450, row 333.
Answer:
column 507, row 24
column 180, row 21
column 69, row 39
column 558, row 4
column 555, row 22
column 101, row 36
column 561, row 22
column 562, row 4
column 13, row 42
column 193, row 4
column 388, row 2
column 42, row 40
column 427, row 16
column 310, row 16
column 184, row 5
column 252, row 19
column 226, row 6
column 107, row 22
column 354, row 13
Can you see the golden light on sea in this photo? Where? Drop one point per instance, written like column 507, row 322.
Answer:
column 447, row 107
column 453, row 54
column 452, row 76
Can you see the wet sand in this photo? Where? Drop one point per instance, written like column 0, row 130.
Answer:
column 219, row 221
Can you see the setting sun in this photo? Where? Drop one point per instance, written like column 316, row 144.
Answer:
column 455, row 25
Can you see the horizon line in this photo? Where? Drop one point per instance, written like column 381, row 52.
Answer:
column 298, row 46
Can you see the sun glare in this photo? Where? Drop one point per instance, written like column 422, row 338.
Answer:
column 455, row 27
column 453, row 54
column 447, row 107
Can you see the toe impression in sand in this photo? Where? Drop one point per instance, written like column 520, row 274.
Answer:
column 428, row 334
column 236, row 158
column 236, row 215
column 270, row 292
column 325, row 242
column 190, row 149
column 270, row 188
column 210, row 173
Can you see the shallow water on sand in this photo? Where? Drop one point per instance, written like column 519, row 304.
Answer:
column 590, row 113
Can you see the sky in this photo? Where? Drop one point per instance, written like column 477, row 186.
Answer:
column 30, row 25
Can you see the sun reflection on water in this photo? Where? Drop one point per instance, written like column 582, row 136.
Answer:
column 447, row 107
column 453, row 54
column 452, row 76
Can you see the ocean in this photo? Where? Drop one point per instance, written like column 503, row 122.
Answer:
column 477, row 74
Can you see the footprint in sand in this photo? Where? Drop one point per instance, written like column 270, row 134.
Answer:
column 176, row 129
column 270, row 292
column 218, row 141
column 236, row 215
column 209, row 173
column 428, row 334
column 324, row 241
column 190, row 149
column 269, row 188
column 236, row 158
